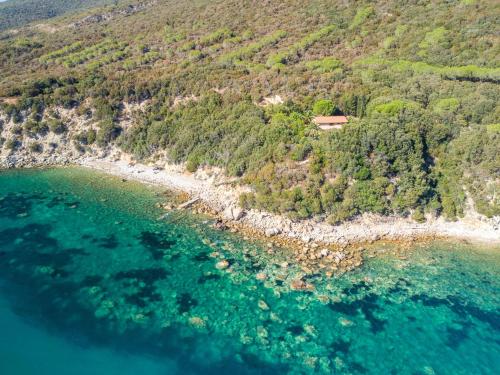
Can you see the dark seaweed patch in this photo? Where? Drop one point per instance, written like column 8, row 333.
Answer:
column 91, row 280
column 109, row 242
column 357, row 367
column 460, row 308
column 147, row 275
column 202, row 257
column 455, row 336
column 203, row 279
column 340, row 346
column 14, row 205
column 295, row 329
column 368, row 305
column 156, row 243
column 144, row 296
column 186, row 302
column 356, row 289
column 28, row 237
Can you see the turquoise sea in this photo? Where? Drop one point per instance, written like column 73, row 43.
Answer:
column 92, row 281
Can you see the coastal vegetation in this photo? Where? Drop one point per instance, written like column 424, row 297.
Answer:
column 419, row 84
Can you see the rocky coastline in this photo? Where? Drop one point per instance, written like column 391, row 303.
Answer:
column 218, row 195
column 315, row 245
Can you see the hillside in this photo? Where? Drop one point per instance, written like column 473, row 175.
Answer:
column 15, row 13
column 419, row 81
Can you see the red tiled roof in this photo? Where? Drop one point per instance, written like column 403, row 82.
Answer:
column 324, row 120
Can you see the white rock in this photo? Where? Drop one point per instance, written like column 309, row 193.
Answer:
column 233, row 213
column 338, row 256
column 306, row 239
column 272, row 232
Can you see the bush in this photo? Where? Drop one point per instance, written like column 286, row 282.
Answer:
column 418, row 215
column 192, row 163
column 392, row 108
column 325, row 65
column 57, row 126
column 33, row 128
column 12, row 144
column 323, row 107
column 361, row 16
column 251, row 49
column 108, row 131
column 216, row 37
column 36, row 147
column 17, row 130
column 86, row 137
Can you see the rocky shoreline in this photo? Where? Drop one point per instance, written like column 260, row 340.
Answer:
column 315, row 245
column 219, row 196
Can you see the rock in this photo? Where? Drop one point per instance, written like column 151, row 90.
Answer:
column 324, row 299
column 310, row 329
column 263, row 305
column 261, row 276
column 197, row 322
column 306, row 239
column 238, row 213
column 301, row 285
column 233, row 213
column 346, row 322
column 220, row 225
column 324, row 252
column 222, row 265
column 188, row 203
column 272, row 232
column 262, row 332
column 338, row 256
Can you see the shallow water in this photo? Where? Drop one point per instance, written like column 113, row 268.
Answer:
column 92, row 282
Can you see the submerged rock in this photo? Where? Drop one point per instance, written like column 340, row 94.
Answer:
column 197, row 322
column 301, row 285
column 261, row 276
column 222, row 265
column 263, row 305
column 346, row 322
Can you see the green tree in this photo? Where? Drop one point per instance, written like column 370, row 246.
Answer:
column 323, row 107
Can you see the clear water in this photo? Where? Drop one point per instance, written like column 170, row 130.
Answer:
column 92, row 282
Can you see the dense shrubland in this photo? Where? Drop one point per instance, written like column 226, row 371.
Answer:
column 419, row 79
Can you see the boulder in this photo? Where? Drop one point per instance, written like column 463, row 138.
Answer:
column 272, row 232
column 301, row 285
column 233, row 213
column 338, row 256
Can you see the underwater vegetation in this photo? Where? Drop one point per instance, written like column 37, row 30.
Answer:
column 90, row 262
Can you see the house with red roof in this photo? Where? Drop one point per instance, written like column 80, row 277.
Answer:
column 330, row 122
